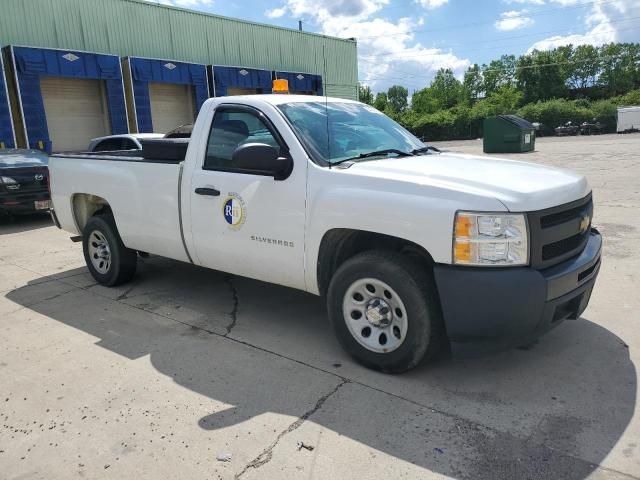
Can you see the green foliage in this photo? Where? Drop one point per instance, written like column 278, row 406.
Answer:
column 381, row 102
column 398, row 98
column 423, row 101
column 556, row 112
column 620, row 67
column 445, row 92
column 541, row 76
column 605, row 112
column 463, row 122
column 435, row 126
column 630, row 98
column 499, row 74
column 583, row 73
column 446, row 89
column 365, row 95
column 505, row 100
column 472, row 85
column 576, row 84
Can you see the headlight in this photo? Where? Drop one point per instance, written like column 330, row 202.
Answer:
column 490, row 239
column 10, row 183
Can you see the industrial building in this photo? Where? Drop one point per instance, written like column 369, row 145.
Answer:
column 73, row 70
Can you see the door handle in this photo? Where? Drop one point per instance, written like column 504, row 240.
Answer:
column 212, row 192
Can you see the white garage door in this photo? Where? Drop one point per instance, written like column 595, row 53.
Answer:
column 76, row 111
column 171, row 106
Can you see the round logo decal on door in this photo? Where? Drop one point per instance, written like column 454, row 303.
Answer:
column 234, row 211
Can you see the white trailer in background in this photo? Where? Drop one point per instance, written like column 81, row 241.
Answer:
column 628, row 119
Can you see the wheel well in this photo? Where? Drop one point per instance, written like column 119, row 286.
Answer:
column 340, row 244
column 86, row 206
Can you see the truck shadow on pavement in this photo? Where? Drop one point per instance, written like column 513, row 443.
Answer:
column 554, row 411
column 24, row 223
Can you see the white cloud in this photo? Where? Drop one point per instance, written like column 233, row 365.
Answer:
column 388, row 52
column 276, row 12
column 431, row 4
column 605, row 23
column 513, row 20
column 543, row 2
column 566, row 3
column 522, row 2
column 334, row 9
column 597, row 36
column 389, row 55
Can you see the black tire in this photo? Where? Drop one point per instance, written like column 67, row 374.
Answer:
column 415, row 287
column 123, row 260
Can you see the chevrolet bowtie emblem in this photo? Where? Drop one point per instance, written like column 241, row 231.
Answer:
column 584, row 223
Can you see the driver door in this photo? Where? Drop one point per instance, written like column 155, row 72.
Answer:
column 243, row 222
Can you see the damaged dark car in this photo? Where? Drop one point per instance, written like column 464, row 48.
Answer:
column 24, row 180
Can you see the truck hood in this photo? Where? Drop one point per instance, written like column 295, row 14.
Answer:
column 520, row 186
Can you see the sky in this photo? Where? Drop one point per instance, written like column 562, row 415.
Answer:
column 406, row 41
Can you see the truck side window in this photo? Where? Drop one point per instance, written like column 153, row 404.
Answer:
column 230, row 130
column 109, row 145
column 128, row 144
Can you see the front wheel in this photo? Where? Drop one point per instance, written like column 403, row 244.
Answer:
column 108, row 260
column 384, row 310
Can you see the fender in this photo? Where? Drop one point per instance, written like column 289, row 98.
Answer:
column 340, row 199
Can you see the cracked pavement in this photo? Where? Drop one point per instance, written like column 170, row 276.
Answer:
column 158, row 377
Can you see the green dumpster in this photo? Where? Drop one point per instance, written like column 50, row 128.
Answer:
column 508, row 134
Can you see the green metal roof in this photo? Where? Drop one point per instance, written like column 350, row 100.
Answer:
column 144, row 29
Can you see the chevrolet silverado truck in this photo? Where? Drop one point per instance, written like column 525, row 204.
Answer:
column 412, row 248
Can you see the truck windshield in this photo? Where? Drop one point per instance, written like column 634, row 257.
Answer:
column 335, row 131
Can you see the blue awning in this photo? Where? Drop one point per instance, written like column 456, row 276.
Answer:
column 302, row 82
column 240, row 77
column 145, row 70
column 32, row 63
column 7, row 136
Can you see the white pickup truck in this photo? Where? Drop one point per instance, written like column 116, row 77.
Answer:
column 411, row 247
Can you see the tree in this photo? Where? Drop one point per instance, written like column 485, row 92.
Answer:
column 576, row 83
column 398, row 96
column 381, row 102
column 446, row 88
column 472, row 87
column 505, row 100
column 423, row 101
column 499, row 73
column 620, row 67
column 541, row 76
column 365, row 95
column 583, row 66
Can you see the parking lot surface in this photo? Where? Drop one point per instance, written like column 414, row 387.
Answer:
column 184, row 368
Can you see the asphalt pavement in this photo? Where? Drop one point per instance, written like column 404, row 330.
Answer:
column 193, row 373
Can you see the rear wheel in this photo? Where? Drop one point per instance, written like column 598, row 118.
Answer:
column 384, row 310
column 108, row 260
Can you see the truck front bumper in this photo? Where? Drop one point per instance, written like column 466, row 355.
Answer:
column 494, row 308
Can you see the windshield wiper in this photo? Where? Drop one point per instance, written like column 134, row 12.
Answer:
column 376, row 153
column 428, row 148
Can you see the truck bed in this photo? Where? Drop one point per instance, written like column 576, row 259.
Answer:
column 134, row 184
column 172, row 151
